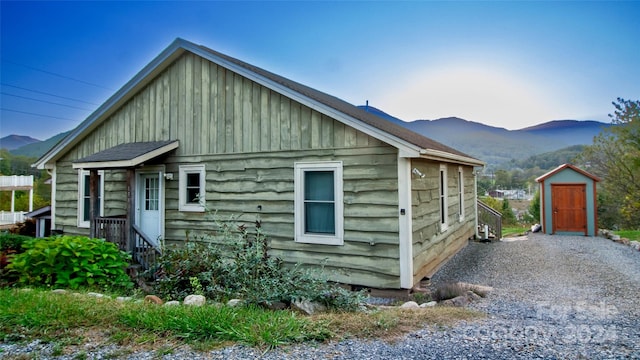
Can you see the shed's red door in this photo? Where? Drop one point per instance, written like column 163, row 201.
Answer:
column 569, row 203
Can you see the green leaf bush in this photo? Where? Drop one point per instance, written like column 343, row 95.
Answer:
column 234, row 263
column 71, row 262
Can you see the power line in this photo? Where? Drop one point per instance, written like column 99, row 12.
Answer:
column 56, row 74
column 45, row 101
column 41, row 115
column 49, row 94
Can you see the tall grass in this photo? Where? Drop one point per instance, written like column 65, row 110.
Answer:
column 49, row 316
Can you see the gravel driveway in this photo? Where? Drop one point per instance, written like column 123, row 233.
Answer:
column 555, row 297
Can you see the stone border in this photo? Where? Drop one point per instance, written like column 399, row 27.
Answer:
column 608, row 234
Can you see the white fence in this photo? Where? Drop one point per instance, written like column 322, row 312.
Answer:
column 16, row 181
column 8, row 217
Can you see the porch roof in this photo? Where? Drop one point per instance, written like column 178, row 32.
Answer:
column 126, row 155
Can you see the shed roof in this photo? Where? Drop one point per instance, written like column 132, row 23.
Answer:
column 409, row 143
column 126, row 155
column 567, row 166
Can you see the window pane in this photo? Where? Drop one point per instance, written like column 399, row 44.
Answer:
column 86, row 208
column 319, row 218
column 192, row 195
column 193, row 179
column 318, row 185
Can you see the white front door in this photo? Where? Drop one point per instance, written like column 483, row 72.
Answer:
column 149, row 204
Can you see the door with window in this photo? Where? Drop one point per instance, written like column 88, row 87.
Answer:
column 149, row 204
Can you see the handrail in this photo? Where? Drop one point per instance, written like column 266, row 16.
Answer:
column 130, row 239
column 490, row 217
column 144, row 250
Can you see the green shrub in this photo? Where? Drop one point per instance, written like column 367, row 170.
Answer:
column 12, row 242
column 234, row 263
column 71, row 261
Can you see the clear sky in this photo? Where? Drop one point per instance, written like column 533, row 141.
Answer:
column 505, row 64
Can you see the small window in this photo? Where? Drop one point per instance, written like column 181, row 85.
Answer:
column 461, row 193
column 444, row 212
column 192, row 188
column 84, row 197
column 318, row 203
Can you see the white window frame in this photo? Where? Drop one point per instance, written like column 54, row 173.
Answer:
column 299, row 214
column 183, row 203
column 82, row 177
column 461, row 193
column 443, row 201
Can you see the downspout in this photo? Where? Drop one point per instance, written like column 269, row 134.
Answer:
column 475, row 192
column 52, row 172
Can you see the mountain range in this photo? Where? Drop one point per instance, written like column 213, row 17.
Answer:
column 493, row 145
column 497, row 146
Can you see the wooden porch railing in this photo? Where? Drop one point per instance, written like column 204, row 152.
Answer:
column 491, row 218
column 130, row 239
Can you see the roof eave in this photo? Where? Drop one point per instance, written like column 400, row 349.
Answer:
column 157, row 65
column 438, row 155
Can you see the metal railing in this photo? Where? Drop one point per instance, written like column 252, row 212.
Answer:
column 130, row 239
column 491, row 218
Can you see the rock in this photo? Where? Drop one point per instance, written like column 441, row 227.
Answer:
column 535, row 228
column 410, row 305
column 153, row 299
column 195, row 300
column 429, row 304
column 625, row 241
column 615, row 238
column 95, row 294
column 478, row 289
column 172, row 303
column 276, row 305
column 472, row 296
column 124, row 298
column 58, row 291
column 308, row 307
column 234, row 302
column 458, row 301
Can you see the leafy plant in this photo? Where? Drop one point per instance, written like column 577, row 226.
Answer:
column 234, row 262
column 71, row 261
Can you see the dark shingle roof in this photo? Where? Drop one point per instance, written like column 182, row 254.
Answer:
column 127, row 151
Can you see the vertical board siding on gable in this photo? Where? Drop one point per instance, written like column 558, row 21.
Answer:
column 249, row 138
column 430, row 246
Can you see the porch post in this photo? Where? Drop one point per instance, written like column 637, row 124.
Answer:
column 131, row 196
column 94, row 201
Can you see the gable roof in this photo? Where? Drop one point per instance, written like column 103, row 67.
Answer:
column 409, row 143
column 567, row 166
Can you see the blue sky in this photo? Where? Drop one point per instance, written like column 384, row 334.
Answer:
column 505, row 64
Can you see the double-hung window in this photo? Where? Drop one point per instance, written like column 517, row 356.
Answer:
column 191, row 188
column 84, row 197
column 318, row 203
column 444, row 211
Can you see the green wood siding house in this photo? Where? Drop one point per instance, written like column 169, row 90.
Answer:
column 568, row 201
column 331, row 183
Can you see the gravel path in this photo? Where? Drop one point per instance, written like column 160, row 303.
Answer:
column 555, row 297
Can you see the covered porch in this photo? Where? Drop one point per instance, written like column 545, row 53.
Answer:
column 126, row 230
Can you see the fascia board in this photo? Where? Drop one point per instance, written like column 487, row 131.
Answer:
column 126, row 163
column 157, row 65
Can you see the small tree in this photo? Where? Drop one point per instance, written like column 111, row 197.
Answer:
column 615, row 157
column 507, row 214
column 534, row 207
